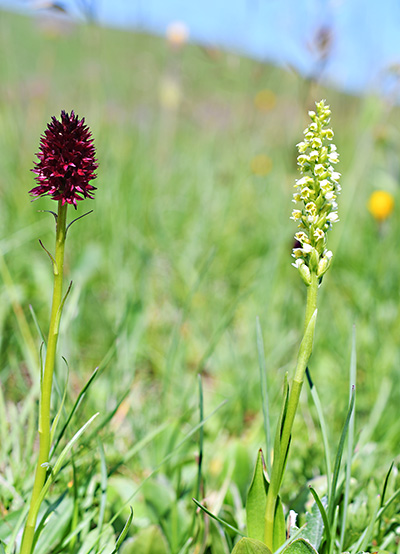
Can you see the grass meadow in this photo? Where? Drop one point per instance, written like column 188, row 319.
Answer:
column 188, row 243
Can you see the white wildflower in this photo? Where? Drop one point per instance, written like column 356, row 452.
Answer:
column 317, row 189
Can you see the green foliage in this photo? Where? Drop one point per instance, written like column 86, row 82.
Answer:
column 314, row 529
column 256, row 504
column 250, row 546
column 257, row 501
column 300, row 546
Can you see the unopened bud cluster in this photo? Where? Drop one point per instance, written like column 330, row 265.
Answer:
column 316, row 191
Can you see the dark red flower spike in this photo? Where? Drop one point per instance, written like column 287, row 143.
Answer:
column 67, row 161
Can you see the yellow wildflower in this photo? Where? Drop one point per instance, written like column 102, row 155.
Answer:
column 381, row 204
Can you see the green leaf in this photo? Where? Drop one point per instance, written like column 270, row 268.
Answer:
column 350, row 442
column 300, row 546
column 124, row 532
column 250, row 546
column 314, row 524
column 279, row 525
column 279, row 430
column 81, row 395
column 335, row 477
column 148, row 541
column 321, row 504
column 257, row 501
column 322, row 423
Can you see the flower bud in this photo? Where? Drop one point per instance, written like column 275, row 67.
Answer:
column 324, row 264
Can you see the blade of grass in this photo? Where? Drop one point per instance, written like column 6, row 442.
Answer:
column 62, row 403
column 324, row 515
column 75, row 512
column 44, row 519
column 389, row 502
column 335, row 477
column 221, row 521
column 322, row 423
column 200, row 459
column 201, row 436
column 350, row 440
column 74, row 408
column 383, row 495
column 385, row 484
column 264, row 394
column 124, row 532
column 37, row 325
column 103, row 485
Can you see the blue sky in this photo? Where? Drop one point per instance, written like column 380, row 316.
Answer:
column 366, row 33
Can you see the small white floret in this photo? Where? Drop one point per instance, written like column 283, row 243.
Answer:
column 332, row 217
column 319, row 234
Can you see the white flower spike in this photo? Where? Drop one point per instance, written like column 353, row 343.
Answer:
column 316, row 190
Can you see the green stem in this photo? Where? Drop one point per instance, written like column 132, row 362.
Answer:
column 285, row 430
column 46, row 383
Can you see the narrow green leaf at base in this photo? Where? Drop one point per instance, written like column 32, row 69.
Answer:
column 257, row 501
column 279, row 525
column 314, row 528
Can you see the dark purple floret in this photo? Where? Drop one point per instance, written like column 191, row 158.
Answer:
column 67, row 161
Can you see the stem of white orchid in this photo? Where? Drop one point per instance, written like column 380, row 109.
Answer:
column 285, row 431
